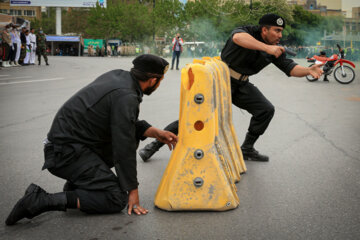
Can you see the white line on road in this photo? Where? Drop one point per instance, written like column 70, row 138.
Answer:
column 32, row 81
column 4, row 75
column 2, row 79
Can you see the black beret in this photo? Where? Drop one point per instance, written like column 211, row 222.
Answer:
column 149, row 63
column 272, row 20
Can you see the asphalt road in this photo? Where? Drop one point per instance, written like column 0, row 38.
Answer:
column 310, row 189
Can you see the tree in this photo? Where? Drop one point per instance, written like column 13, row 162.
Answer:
column 74, row 21
column 47, row 22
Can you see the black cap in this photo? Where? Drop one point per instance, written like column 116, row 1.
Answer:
column 271, row 19
column 149, row 63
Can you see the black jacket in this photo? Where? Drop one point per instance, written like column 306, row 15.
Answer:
column 104, row 115
column 249, row 62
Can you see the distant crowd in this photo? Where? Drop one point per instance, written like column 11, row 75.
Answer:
column 19, row 46
column 352, row 54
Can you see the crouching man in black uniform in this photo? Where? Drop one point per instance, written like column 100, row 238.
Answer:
column 95, row 130
column 247, row 52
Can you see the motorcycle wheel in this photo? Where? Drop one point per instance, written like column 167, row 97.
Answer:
column 311, row 78
column 347, row 77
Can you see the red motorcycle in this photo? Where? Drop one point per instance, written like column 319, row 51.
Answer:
column 344, row 74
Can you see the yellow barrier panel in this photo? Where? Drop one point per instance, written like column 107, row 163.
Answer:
column 222, row 141
column 205, row 163
column 227, row 123
column 225, row 118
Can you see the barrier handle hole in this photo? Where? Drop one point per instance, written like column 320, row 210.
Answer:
column 199, row 125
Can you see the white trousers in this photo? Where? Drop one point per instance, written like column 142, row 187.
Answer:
column 32, row 53
column 27, row 56
column 17, row 56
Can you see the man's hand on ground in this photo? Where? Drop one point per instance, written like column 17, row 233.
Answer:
column 133, row 203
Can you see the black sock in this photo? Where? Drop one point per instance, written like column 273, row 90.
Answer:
column 71, row 198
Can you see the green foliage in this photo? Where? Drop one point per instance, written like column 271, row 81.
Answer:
column 167, row 17
column 47, row 22
column 128, row 22
column 199, row 20
column 308, row 28
column 73, row 21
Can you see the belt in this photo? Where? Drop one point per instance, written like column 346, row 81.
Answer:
column 238, row 76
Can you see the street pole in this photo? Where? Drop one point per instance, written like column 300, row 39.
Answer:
column 58, row 20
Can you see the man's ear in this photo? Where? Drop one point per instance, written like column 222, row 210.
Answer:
column 152, row 81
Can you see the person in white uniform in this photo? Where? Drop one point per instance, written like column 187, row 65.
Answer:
column 28, row 48
column 18, row 42
column 32, row 37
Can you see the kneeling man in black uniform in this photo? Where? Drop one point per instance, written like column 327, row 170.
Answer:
column 95, row 130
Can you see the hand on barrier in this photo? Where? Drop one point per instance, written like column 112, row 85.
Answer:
column 133, row 203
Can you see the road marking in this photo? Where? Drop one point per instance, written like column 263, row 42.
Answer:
column 4, row 75
column 3, row 79
column 32, row 81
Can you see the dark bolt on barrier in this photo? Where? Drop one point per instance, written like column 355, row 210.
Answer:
column 199, row 98
column 198, row 182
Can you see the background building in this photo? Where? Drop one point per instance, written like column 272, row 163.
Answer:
column 28, row 13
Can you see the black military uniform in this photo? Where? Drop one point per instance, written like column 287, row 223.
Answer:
column 244, row 63
column 23, row 45
column 96, row 129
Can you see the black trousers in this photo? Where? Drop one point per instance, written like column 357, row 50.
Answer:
column 97, row 187
column 248, row 97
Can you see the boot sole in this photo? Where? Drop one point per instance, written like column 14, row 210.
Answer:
column 19, row 204
column 255, row 160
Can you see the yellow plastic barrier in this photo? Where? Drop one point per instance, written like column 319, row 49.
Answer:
column 226, row 123
column 205, row 163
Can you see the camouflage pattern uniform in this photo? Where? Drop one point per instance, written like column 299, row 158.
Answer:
column 41, row 47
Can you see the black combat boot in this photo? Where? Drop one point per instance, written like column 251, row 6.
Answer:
column 47, row 64
column 34, row 202
column 39, row 62
column 150, row 149
column 249, row 152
